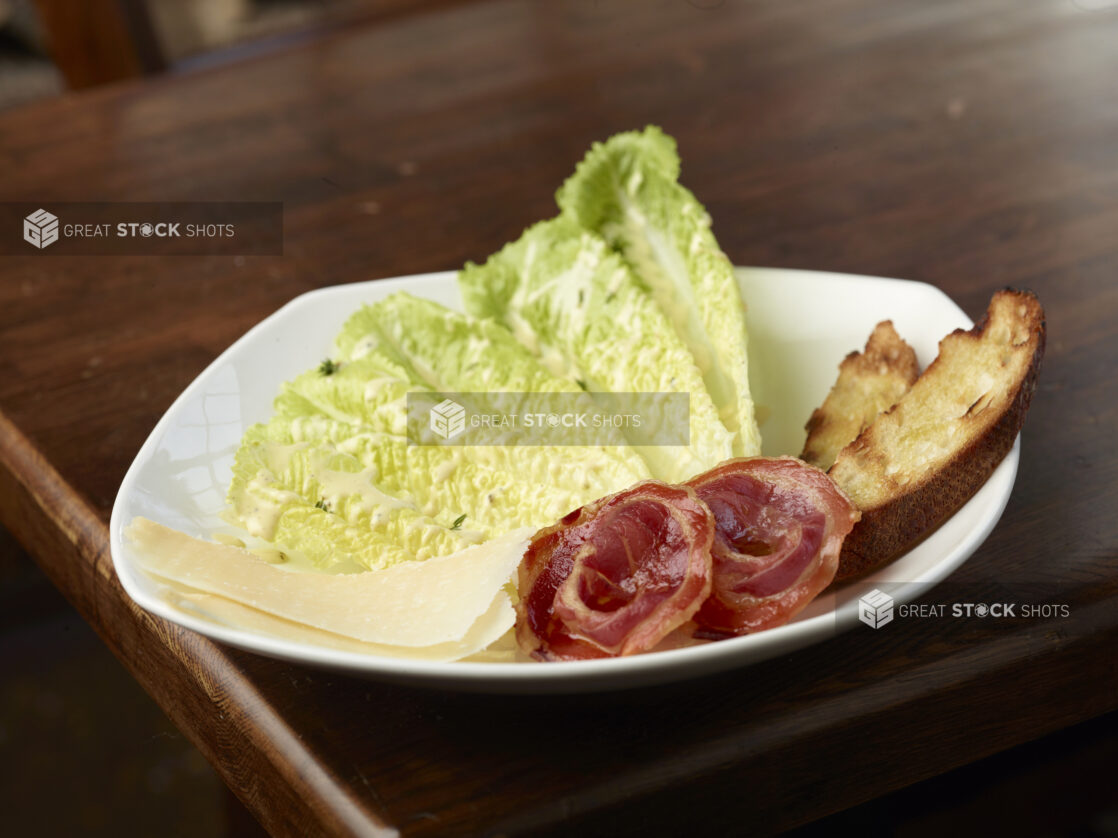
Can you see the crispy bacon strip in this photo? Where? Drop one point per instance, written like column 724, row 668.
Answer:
column 615, row 576
column 780, row 527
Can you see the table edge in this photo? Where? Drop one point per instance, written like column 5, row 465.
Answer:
column 49, row 501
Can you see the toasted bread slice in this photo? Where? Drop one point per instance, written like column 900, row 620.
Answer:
column 868, row 383
column 926, row 456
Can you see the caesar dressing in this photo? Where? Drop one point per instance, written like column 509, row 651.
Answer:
column 444, row 470
column 263, row 505
column 338, row 486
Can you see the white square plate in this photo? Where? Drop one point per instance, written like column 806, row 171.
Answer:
column 801, row 324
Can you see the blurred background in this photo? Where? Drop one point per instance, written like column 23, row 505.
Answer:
column 86, row 752
column 49, row 46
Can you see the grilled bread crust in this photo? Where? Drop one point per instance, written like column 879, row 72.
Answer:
column 921, row 460
column 868, row 383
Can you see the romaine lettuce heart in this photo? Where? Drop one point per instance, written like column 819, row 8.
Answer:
column 625, row 189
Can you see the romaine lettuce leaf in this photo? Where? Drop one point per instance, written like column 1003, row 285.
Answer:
column 443, row 350
column 625, row 189
column 323, row 504
column 496, row 488
column 370, row 391
column 446, row 351
column 626, row 291
column 333, row 475
column 576, row 305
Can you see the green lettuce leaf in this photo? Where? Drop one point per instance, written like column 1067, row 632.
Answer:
column 370, row 391
column 323, row 504
column 332, row 475
column 498, row 488
column 575, row 304
column 443, row 350
column 446, row 351
column 626, row 190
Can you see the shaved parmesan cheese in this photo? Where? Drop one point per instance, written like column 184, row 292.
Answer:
column 480, row 642
column 413, row 604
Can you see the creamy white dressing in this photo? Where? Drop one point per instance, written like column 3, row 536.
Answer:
column 278, row 456
column 337, row 486
column 444, row 470
column 308, row 427
column 263, row 505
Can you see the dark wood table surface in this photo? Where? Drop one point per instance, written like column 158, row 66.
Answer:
column 970, row 144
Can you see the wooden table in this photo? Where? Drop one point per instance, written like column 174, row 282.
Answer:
column 967, row 144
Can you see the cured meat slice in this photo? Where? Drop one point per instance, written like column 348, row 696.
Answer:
column 616, row 576
column 780, row 524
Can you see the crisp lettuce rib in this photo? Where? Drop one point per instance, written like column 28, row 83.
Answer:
column 625, row 189
column 576, row 305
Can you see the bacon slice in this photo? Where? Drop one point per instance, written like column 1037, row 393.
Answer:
column 615, row 576
column 780, row 527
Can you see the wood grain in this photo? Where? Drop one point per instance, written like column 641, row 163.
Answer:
column 970, row 144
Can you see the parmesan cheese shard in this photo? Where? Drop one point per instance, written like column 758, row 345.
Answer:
column 412, row 606
column 480, row 643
